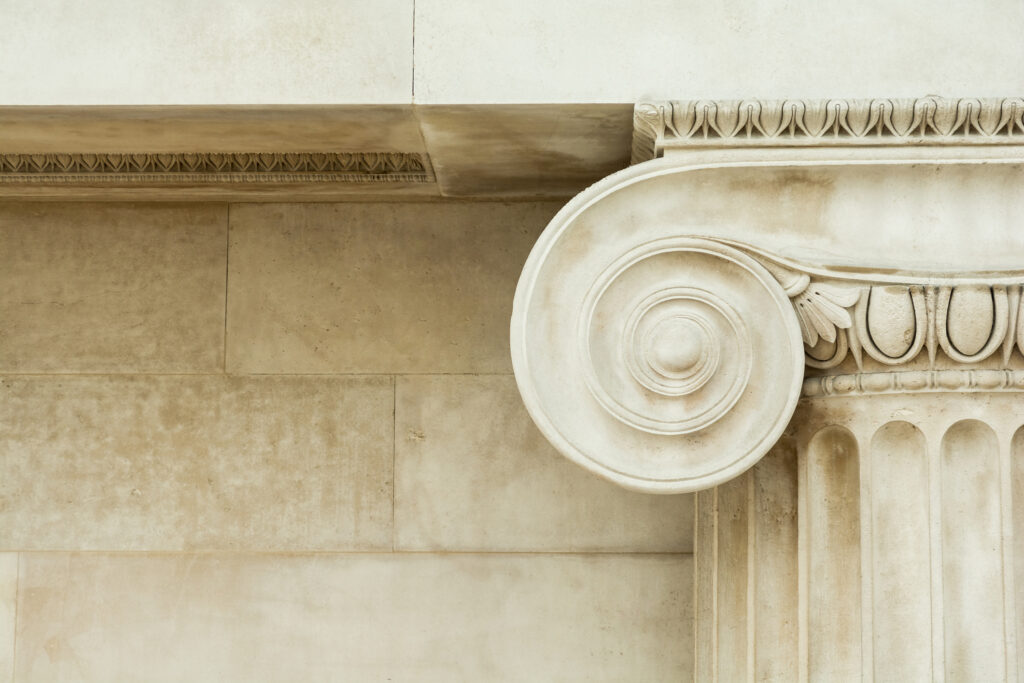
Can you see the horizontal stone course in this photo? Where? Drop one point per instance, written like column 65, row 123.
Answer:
column 164, row 463
column 359, row 617
column 472, row 472
column 375, row 288
column 112, row 288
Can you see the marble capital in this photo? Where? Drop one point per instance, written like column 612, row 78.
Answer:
column 672, row 316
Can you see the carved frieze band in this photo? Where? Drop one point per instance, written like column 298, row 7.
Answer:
column 215, row 167
column 931, row 120
column 895, row 324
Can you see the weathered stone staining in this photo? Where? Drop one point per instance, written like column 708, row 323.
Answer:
column 864, row 257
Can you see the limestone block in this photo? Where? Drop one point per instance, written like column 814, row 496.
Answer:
column 111, row 288
column 359, row 617
column 472, row 472
column 8, row 612
column 193, row 462
column 376, row 288
column 193, row 52
column 585, row 51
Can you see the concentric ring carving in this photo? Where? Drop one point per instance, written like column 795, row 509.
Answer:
column 663, row 358
column 671, row 368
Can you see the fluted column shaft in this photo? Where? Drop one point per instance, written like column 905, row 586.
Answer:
column 879, row 540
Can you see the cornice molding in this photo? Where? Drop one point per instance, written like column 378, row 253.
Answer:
column 213, row 168
column 658, row 126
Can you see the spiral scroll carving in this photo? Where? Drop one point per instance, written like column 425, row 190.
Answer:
column 678, row 367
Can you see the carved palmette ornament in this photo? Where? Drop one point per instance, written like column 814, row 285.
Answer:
column 670, row 368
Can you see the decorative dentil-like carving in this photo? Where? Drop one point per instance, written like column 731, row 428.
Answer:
column 880, row 121
column 214, row 167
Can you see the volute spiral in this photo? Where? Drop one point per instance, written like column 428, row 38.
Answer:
column 670, row 367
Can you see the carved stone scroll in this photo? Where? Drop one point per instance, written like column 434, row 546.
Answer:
column 675, row 367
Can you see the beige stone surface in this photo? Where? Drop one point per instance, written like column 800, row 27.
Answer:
column 472, row 472
column 193, row 52
column 370, row 288
column 8, row 613
column 272, row 127
column 551, row 150
column 363, row 617
column 178, row 462
column 584, row 51
column 112, row 288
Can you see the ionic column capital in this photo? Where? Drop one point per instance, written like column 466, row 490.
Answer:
column 671, row 317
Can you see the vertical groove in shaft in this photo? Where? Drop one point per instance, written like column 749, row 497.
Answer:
column 834, row 590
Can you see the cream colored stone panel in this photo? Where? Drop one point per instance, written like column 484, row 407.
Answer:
column 472, row 472
column 213, row 463
column 194, row 52
column 8, row 613
column 112, row 288
column 585, row 51
column 360, row 617
column 376, row 288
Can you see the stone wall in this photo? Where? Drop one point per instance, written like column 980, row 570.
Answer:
column 457, row 52
column 283, row 442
